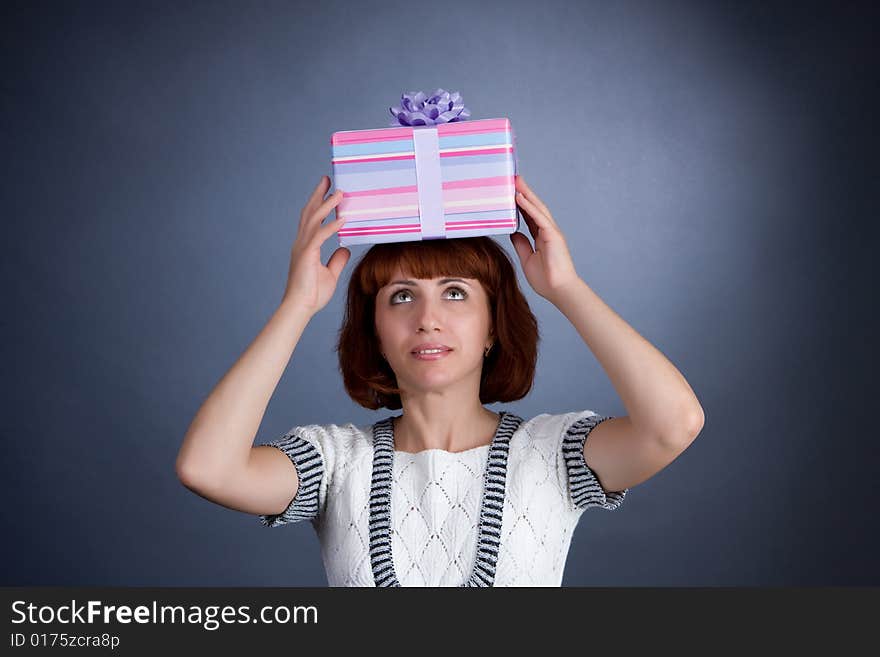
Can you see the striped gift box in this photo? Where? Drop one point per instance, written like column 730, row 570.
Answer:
column 411, row 183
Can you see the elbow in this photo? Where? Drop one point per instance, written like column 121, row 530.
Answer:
column 692, row 421
column 186, row 474
column 189, row 467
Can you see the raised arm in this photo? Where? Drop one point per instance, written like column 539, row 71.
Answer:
column 664, row 415
column 217, row 459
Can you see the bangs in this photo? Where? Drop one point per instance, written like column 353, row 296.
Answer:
column 463, row 257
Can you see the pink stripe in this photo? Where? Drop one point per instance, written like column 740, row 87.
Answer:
column 384, row 191
column 368, row 136
column 476, row 193
column 374, row 159
column 480, row 222
column 414, row 228
column 454, row 184
column 482, row 151
column 374, row 201
column 484, row 207
column 392, row 134
column 383, row 158
column 353, row 230
column 479, row 226
column 379, row 232
column 479, row 182
column 371, row 199
column 400, row 214
column 403, row 232
column 476, row 206
column 473, row 127
column 356, row 214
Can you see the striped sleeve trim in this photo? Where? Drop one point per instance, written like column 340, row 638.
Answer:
column 584, row 487
column 309, row 470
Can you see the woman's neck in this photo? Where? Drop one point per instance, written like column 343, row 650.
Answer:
column 413, row 432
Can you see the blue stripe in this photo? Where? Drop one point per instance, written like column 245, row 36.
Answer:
column 491, row 507
column 584, row 487
column 309, row 471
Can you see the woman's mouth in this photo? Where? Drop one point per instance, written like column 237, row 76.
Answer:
column 432, row 354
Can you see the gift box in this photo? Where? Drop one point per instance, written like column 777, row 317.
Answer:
column 419, row 182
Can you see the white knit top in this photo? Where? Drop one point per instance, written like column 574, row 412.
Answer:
column 496, row 515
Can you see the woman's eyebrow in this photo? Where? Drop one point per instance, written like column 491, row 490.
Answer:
column 442, row 281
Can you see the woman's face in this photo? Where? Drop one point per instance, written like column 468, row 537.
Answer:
column 454, row 313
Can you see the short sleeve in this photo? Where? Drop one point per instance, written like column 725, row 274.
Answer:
column 303, row 451
column 583, row 487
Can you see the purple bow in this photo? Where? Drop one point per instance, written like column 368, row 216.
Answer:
column 416, row 108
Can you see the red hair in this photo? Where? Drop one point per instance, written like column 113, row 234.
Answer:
column 508, row 371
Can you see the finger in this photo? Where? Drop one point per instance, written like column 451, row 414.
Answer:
column 323, row 210
column 527, row 191
column 310, row 226
column 537, row 215
column 338, row 261
column 530, row 223
column 534, row 218
column 522, row 246
column 328, row 229
column 317, row 195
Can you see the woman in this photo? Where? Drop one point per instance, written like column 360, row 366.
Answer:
column 447, row 493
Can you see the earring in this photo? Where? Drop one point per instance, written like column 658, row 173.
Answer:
column 486, row 353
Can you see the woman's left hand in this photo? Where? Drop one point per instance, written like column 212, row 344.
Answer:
column 549, row 267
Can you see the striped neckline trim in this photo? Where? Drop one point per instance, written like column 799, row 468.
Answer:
column 491, row 506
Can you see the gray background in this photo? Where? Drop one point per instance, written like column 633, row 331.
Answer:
column 707, row 163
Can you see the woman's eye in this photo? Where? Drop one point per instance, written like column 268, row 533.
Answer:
column 397, row 295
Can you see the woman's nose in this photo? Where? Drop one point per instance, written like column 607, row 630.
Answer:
column 428, row 315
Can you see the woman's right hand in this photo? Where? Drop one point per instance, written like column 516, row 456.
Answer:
column 310, row 285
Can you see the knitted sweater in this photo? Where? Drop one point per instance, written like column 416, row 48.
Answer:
column 495, row 515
